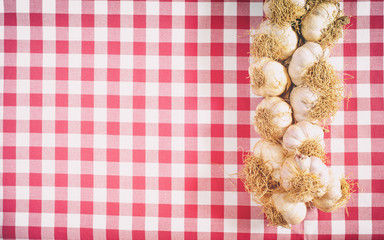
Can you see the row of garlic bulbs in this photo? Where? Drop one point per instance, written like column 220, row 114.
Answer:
column 286, row 169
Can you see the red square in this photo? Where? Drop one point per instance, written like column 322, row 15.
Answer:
column 113, row 155
column 324, row 215
column 113, row 20
column 9, row 72
column 377, row 104
column 138, row 102
column 60, row 233
column 87, row 74
column 62, row 20
column 190, row 130
column 87, row 47
column 61, row 46
column 377, row 213
column 138, row 182
column 165, row 210
column 353, row 214
column 9, row 179
column 242, row 50
column 61, row 180
column 35, row 206
column 165, row 156
column 61, row 206
column 217, row 103
column 113, row 128
column 243, row 104
column 165, row 235
column 36, row 73
column 138, row 155
column 9, row 231
column 190, row 211
column 10, row 19
column 190, row 49
column 243, row 212
column 113, row 208
column 87, row 154
column 36, row 99
column 217, row 49
column 217, row 130
column 138, row 209
column 139, row 21
column 243, row 22
column 190, row 184
column 113, row 182
column 217, row 76
column 9, row 205
column 165, row 129
column 61, row 73
column 377, row 131
column 220, row 235
column 376, row 76
column 190, row 103
column 35, row 19
column 139, row 75
column 350, row 49
column 112, row 234
column 138, row 234
column 35, row 179
column 217, row 22
column 34, row 232
column 61, row 153
column 165, row 21
column 61, row 126
column 35, row 153
column 165, row 49
column 138, row 129
column 9, row 152
column 376, row 49
column 61, row 100
column 113, row 101
column 87, row 101
column 217, row 211
column 87, row 20
column 86, row 233
column 9, row 99
column 191, row 22
column 139, row 48
column 165, row 102
column 217, row 157
column 9, row 126
column 350, row 131
column 165, row 183
column 10, row 46
column 86, row 127
column 217, row 184
column 350, row 104
column 165, row 75
column 114, row 48
column 190, row 157
column 36, row 46
column 35, row 126
column 190, row 235
column 376, row 23
column 243, row 131
column 86, row 181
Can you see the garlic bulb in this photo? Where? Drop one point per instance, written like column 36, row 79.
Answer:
column 284, row 11
column 304, row 177
column 268, row 77
column 274, row 41
column 306, row 138
column 273, row 117
column 302, row 100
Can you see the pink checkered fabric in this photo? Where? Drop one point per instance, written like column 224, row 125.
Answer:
column 126, row 119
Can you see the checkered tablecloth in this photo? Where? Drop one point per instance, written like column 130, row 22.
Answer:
column 128, row 120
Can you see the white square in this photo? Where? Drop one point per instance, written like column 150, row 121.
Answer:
column 74, row 60
column 125, row 196
column 177, row 144
column 364, row 145
column 151, row 143
column 337, row 62
column 151, row 116
column 203, row 35
column 230, row 144
column 203, row 225
column 125, row 115
column 49, row 6
column 204, row 117
column 47, row 193
column 178, row 8
column 363, row 63
column 151, row 223
column 363, row 117
column 152, row 170
column 152, row 8
column 177, row 197
column 151, row 89
column 152, row 35
column 74, row 87
column 203, row 8
column 48, row 140
column 178, row 62
column 365, row 199
column 49, row 86
column 177, row 116
column 100, row 87
column 101, row 7
column 363, row 8
column 23, row 32
column 22, row 113
column 48, row 219
column 125, row 222
column 99, row 221
column 230, row 35
column 48, row 112
column 203, row 63
column 365, row 172
column 126, row 7
column 230, row 117
column 21, row 219
column 126, row 34
column 22, row 7
column 230, row 225
column 74, row 140
column 363, row 90
column 151, row 196
column 178, row 35
column 230, row 90
column 22, row 166
column 49, row 33
column 363, row 35
column 203, row 170
column 365, row 227
column 74, row 194
column 337, row 145
column 311, row 227
column 204, row 198
column 178, row 170
column 101, row 34
column 74, row 166
column 230, row 170
column 99, row 194
column 48, row 166
column 125, row 169
column 257, row 225
column 23, row 59
column 126, row 89
column 230, row 198
column 178, row 89
column 74, row 114
column 203, row 144
column 256, row 9
column 177, row 224
column 281, row 230
column 152, row 62
column 100, row 168
column 230, row 8
column 338, row 227
column 204, row 90
column 101, row 60
column 49, row 59
column 73, row 220
column 100, row 114
column 74, row 7
column 125, row 142
column 22, row 192
column 338, row 118
column 74, row 33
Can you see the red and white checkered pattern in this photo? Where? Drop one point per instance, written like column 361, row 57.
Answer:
column 127, row 119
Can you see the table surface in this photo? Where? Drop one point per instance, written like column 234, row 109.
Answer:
column 129, row 119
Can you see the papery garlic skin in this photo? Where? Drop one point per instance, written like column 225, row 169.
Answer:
column 303, row 58
column 293, row 212
column 297, row 133
column 327, row 202
column 317, row 20
column 276, row 77
column 268, row 12
column 302, row 100
column 271, row 153
column 285, row 35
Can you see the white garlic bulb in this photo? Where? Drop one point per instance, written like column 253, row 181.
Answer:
column 273, row 155
column 293, row 212
column 302, row 100
column 303, row 58
column 296, row 9
column 268, row 77
column 273, row 117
